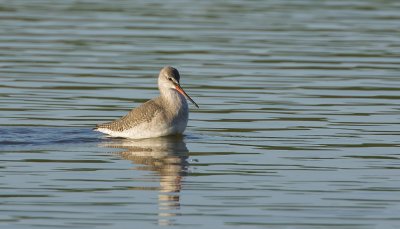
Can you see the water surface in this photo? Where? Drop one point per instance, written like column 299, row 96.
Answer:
column 298, row 125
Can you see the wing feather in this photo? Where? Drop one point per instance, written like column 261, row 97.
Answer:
column 136, row 116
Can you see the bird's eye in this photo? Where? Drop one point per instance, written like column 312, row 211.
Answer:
column 170, row 79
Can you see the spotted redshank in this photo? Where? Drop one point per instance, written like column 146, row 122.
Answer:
column 165, row 115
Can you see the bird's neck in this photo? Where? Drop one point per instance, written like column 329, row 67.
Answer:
column 173, row 97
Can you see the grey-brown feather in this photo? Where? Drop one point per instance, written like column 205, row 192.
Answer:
column 138, row 115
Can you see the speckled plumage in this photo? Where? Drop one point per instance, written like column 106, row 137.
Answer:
column 165, row 115
column 138, row 115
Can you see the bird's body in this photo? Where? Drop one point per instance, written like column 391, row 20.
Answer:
column 152, row 119
column 165, row 115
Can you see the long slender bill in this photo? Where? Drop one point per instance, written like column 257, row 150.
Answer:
column 180, row 90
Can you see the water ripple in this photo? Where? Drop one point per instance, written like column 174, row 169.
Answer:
column 298, row 125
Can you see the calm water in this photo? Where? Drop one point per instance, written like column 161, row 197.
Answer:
column 298, row 125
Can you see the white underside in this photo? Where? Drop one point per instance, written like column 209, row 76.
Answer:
column 143, row 131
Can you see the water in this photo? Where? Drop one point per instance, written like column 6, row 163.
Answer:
column 298, row 125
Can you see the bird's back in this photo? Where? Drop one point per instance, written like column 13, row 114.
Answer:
column 143, row 113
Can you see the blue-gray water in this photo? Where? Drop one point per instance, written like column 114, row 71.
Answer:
column 298, row 125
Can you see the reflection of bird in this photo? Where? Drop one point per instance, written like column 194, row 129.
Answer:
column 166, row 155
column 165, row 115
